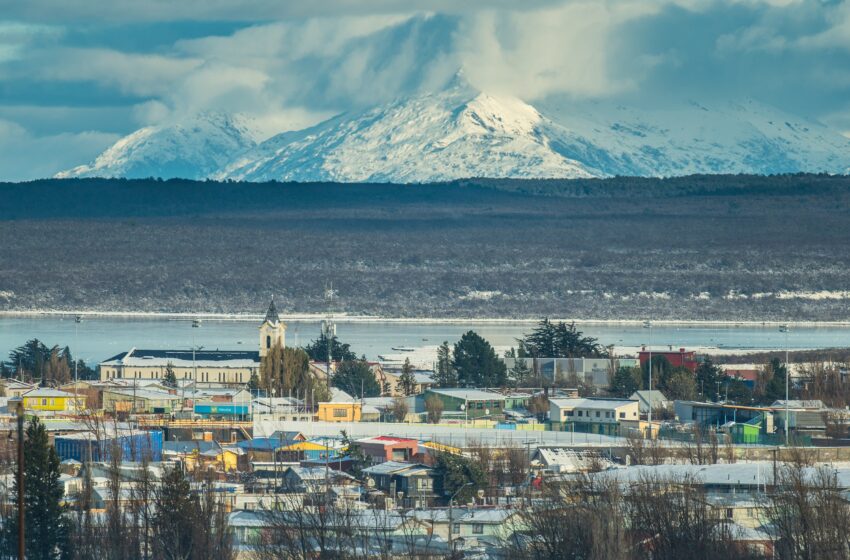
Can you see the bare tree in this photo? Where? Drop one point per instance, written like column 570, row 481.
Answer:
column 808, row 514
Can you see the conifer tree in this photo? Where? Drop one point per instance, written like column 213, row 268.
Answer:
column 407, row 381
column 47, row 529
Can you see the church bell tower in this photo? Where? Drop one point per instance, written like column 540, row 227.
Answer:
column 272, row 331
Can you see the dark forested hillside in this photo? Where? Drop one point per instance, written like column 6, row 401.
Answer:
column 702, row 247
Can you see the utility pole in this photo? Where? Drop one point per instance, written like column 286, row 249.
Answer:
column 196, row 323
column 785, row 329
column 77, row 320
column 21, row 504
column 329, row 328
column 648, row 325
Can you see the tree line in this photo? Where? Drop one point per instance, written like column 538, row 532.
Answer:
column 52, row 365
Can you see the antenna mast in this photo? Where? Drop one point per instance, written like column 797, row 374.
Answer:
column 329, row 327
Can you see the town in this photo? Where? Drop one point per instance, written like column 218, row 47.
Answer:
column 558, row 449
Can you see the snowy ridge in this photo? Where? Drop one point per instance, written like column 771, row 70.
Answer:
column 434, row 137
column 191, row 148
column 460, row 132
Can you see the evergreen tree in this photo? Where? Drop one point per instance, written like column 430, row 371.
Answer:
column 520, row 373
column 445, row 376
column 679, row 385
column 454, row 471
column 625, row 382
column 477, row 364
column 170, row 378
column 356, row 377
column 173, row 522
column 318, row 350
column 560, row 340
column 407, row 381
column 254, row 382
column 707, row 376
column 47, row 529
column 775, row 388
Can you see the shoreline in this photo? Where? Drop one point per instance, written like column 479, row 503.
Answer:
column 344, row 318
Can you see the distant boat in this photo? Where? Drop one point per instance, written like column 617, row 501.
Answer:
column 404, row 349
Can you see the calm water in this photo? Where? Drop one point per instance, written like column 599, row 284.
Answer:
column 100, row 338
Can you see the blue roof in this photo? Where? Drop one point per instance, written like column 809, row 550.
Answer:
column 266, row 444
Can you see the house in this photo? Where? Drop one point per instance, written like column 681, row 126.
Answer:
column 222, row 367
column 681, row 358
column 470, row 403
column 313, row 479
column 560, row 460
column 803, row 415
column 275, row 448
column 45, row 399
column 341, row 408
column 15, row 389
column 643, row 398
column 718, row 414
column 597, row 416
column 411, row 484
column 387, row 448
column 134, row 400
column 388, row 378
column 590, row 371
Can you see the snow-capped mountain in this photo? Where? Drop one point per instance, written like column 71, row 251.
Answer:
column 191, row 148
column 456, row 133
column 688, row 138
column 461, row 132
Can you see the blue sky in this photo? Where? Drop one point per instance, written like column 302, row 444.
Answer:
column 76, row 75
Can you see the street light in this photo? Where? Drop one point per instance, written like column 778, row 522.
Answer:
column 451, row 517
column 786, row 330
column 77, row 320
column 648, row 325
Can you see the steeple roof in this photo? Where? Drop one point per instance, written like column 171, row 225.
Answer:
column 271, row 314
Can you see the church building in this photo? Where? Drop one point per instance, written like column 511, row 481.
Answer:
column 205, row 367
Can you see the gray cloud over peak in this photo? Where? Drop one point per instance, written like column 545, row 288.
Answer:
column 291, row 64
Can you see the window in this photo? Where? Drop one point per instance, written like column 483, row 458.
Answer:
column 622, row 415
column 497, row 404
column 340, row 413
column 607, row 414
column 479, row 405
column 730, row 513
column 597, row 414
column 456, row 528
column 43, row 402
column 580, row 413
column 569, row 413
column 477, row 529
column 268, row 341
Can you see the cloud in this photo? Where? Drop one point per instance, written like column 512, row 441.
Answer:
column 291, row 64
column 24, row 156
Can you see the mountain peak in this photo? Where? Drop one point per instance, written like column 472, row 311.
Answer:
column 192, row 147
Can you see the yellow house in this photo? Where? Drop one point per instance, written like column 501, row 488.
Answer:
column 341, row 408
column 339, row 412
column 53, row 400
column 225, row 458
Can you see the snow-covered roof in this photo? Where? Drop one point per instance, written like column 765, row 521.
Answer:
column 593, row 404
column 185, row 359
column 48, row 392
column 469, row 394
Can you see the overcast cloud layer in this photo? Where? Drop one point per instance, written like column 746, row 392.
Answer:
column 75, row 75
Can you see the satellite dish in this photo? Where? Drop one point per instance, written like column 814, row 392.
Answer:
column 486, row 412
column 463, row 407
column 370, row 482
column 480, row 494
